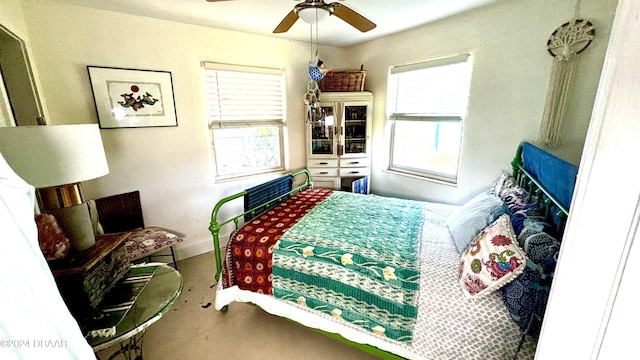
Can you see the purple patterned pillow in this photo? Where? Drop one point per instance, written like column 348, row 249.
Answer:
column 511, row 194
column 502, row 182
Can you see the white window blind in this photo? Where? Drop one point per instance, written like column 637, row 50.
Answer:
column 426, row 104
column 238, row 95
column 246, row 111
column 435, row 90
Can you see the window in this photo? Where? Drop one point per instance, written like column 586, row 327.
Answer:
column 426, row 104
column 246, row 111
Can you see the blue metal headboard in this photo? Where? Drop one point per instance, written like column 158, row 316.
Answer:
column 548, row 179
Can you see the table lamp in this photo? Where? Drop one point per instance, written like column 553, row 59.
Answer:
column 55, row 159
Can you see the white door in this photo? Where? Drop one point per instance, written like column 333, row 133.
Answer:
column 592, row 311
column 6, row 115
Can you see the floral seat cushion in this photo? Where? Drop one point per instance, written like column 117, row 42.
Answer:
column 148, row 241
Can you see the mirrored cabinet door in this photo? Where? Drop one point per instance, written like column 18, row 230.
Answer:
column 355, row 129
column 322, row 133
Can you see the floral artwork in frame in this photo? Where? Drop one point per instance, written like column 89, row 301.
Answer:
column 128, row 98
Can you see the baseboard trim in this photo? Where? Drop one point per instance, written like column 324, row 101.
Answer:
column 187, row 250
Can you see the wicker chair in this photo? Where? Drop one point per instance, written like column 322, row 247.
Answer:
column 123, row 212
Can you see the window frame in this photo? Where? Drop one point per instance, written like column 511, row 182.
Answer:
column 439, row 118
column 218, row 123
column 421, row 173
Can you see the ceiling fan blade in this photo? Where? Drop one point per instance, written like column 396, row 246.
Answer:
column 352, row 18
column 286, row 23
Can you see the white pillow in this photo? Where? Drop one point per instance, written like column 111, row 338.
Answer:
column 467, row 221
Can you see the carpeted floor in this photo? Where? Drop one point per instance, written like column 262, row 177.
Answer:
column 194, row 330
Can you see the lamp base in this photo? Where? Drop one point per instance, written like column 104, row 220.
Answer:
column 76, row 224
column 66, row 204
column 58, row 197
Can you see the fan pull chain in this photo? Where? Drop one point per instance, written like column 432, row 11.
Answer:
column 316, row 33
column 310, row 42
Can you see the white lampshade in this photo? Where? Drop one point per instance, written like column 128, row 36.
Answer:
column 52, row 155
column 313, row 15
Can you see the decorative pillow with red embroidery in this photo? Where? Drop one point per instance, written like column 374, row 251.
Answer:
column 492, row 260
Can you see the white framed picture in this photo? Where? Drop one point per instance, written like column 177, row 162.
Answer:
column 128, row 98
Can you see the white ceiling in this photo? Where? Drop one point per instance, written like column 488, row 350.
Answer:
column 262, row 16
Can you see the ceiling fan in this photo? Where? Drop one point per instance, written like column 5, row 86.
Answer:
column 349, row 16
column 302, row 10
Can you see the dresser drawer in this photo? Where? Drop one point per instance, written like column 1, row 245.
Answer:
column 312, row 163
column 323, row 172
column 361, row 171
column 326, row 183
column 355, row 162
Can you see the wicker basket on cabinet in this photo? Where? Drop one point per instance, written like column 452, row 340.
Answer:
column 347, row 80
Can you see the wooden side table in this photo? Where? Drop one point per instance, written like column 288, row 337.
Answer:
column 84, row 277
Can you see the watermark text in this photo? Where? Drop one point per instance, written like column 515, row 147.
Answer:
column 33, row 343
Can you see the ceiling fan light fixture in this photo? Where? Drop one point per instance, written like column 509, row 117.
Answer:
column 313, row 15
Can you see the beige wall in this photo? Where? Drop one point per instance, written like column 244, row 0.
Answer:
column 172, row 167
column 511, row 71
column 11, row 17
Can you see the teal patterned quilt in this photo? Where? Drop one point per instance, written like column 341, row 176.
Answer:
column 355, row 257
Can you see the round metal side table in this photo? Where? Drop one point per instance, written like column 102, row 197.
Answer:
column 152, row 303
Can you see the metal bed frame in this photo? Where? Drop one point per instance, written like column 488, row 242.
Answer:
column 554, row 210
column 538, row 194
column 215, row 225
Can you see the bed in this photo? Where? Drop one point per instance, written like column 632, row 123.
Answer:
column 401, row 278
